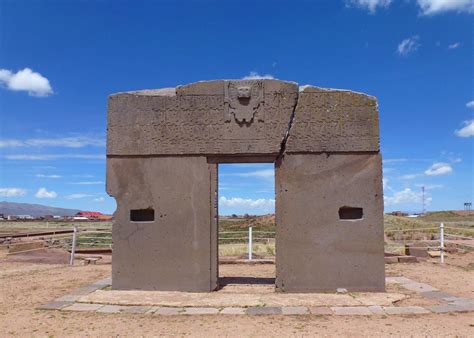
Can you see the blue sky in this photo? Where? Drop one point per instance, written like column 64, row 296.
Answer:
column 59, row 60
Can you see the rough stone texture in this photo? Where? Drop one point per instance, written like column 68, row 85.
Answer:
column 173, row 252
column 257, row 311
column 167, row 311
column 233, row 311
column 419, row 287
column 407, row 259
column 391, row 260
column 376, row 309
column 316, row 251
column 200, row 311
column 444, row 308
column 404, row 310
column 334, row 120
column 202, row 118
column 437, row 295
column 294, row 310
column 163, row 147
column 320, row 310
column 111, row 309
column 83, row 307
column 352, row 311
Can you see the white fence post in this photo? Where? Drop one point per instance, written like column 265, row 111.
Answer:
column 250, row 243
column 441, row 242
column 73, row 248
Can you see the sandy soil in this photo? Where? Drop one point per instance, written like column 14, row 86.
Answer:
column 24, row 286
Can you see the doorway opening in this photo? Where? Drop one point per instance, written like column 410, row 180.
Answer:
column 246, row 225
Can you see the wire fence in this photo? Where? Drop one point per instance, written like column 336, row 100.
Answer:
column 251, row 243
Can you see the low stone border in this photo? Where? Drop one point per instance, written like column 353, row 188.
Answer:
column 448, row 304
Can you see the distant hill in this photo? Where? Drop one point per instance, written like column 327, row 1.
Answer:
column 11, row 208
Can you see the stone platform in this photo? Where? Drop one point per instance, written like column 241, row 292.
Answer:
column 260, row 300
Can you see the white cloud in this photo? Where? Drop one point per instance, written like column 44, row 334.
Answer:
column 265, row 173
column 409, row 176
column 65, row 142
column 48, row 176
column 454, row 45
column 470, row 104
column 77, row 196
column 467, row 130
column 431, row 7
column 88, row 183
column 12, row 192
column 438, row 169
column 52, row 157
column 370, row 5
column 43, row 193
column 408, row 45
column 257, row 76
column 247, row 203
column 99, row 199
column 406, row 196
column 26, row 80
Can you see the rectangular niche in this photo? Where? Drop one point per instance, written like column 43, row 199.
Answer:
column 350, row 213
column 142, row 215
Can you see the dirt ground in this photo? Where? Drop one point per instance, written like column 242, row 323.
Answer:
column 24, row 286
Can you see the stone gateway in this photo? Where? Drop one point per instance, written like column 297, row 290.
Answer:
column 163, row 151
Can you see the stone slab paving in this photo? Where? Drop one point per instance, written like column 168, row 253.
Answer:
column 233, row 311
column 404, row 310
column 83, row 307
column 294, row 310
column 200, row 311
column 320, row 310
column 351, row 311
column 376, row 310
column 91, row 298
column 257, row 311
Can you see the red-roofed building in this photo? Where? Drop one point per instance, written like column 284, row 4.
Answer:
column 92, row 215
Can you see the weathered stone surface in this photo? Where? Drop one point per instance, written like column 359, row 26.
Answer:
column 200, row 311
column 445, row 308
column 111, row 309
column 83, row 307
column 405, row 310
column 163, row 147
column 173, row 251
column 318, row 251
column 55, row 305
column 233, row 311
column 376, row 309
column 438, row 295
column 257, row 311
column 419, row 287
column 391, row 260
column 334, row 120
column 294, row 310
column 320, row 310
column 212, row 117
column 407, row 259
column 352, row 311
column 168, row 311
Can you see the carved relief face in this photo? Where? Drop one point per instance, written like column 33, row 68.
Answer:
column 243, row 92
